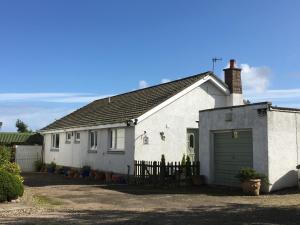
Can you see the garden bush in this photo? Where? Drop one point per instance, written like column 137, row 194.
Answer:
column 38, row 165
column 10, row 186
column 13, row 169
column 5, row 154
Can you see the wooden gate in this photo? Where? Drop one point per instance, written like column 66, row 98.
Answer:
column 26, row 155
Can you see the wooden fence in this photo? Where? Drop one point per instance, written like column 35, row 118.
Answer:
column 155, row 172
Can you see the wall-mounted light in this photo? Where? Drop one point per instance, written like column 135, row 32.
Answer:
column 162, row 136
column 235, row 134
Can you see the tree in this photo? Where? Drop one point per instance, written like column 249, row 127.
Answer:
column 21, row 126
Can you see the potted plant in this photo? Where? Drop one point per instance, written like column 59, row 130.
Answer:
column 51, row 167
column 85, row 171
column 251, row 181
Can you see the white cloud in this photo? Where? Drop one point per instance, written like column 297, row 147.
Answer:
column 165, row 80
column 143, row 84
column 255, row 79
column 50, row 97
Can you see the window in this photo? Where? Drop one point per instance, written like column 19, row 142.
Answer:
column 117, row 139
column 93, row 140
column 68, row 137
column 191, row 140
column 77, row 136
column 55, row 141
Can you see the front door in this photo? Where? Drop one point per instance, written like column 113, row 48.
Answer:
column 193, row 144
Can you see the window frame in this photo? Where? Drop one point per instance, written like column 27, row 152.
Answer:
column 93, row 133
column 193, row 141
column 68, row 141
column 113, row 139
column 77, row 140
column 54, row 144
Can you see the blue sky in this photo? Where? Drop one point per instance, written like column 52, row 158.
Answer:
column 58, row 55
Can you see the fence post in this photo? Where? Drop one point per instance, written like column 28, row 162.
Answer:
column 154, row 172
column 143, row 172
column 162, row 172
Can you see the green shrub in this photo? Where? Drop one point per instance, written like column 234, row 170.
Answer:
column 248, row 173
column 5, row 154
column 10, row 186
column 12, row 168
column 183, row 160
column 38, row 165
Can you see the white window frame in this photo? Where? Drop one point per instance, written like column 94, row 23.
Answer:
column 77, row 139
column 116, row 139
column 68, row 140
column 54, row 144
column 93, row 144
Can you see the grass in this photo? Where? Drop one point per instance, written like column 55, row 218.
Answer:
column 46, row 201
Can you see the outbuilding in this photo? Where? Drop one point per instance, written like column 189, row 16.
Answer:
column 260, row 136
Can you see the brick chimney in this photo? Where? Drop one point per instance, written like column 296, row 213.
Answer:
column 234, row 82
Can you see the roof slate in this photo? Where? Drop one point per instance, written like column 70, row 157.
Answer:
column 123, row 107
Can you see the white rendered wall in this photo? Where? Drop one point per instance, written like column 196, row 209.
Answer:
column 77, row 154
column 242, row 118
column 235, row 99
column 283, row 141
column 174, row 120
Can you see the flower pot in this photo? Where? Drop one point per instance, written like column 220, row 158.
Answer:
column 100, row 176
column 108, row 176
column 251, row 187
column 197, row 180
column 50, row 170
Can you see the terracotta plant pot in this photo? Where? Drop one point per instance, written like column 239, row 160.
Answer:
column 251, row 187
column 108, row 176
column 101, row 176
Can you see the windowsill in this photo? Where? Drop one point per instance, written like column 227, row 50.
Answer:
column 115, row 151
column 92, row 151
column 54, row 150
column 77, row 141
column 68, row 142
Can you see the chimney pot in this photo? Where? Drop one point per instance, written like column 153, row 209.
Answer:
column 232, row 64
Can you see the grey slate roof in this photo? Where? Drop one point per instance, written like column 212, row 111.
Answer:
column 123, row 107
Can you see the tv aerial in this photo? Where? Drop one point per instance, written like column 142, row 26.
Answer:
column 214, row 62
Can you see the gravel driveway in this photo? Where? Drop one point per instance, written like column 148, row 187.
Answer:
column 53, row 199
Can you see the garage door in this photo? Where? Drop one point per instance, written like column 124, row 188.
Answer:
column 232, row 151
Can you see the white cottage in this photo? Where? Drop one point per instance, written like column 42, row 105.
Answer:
column 109, row 134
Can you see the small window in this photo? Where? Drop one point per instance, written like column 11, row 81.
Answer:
column 68, row 137
column 55, row 141
column 93, row 140
column 77, row 136
column 192, row 141
column 117, row 139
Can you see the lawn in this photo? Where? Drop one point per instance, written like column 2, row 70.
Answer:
column 53, row 199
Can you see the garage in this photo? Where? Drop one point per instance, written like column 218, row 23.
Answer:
column 233, row 151
column 259, row 135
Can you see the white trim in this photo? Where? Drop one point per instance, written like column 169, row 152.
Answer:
column 182, row 93
column 84, row 128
